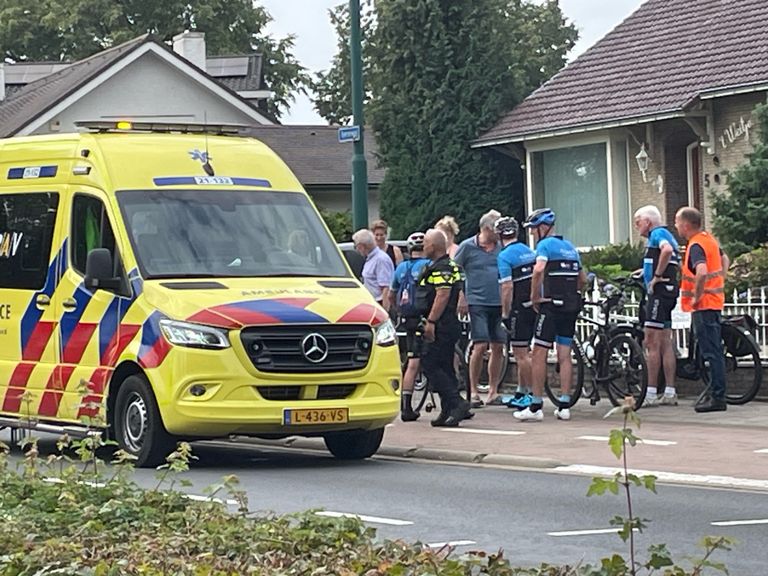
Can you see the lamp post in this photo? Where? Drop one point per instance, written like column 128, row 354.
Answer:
column 359, row 166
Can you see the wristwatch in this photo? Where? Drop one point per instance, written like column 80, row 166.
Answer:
column 431, row 321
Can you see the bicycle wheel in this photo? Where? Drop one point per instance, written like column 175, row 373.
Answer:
column 627, row 374
column 462, row 370
column 420, row 391
column 743, row 369
column 553, row 385
column 483, row 385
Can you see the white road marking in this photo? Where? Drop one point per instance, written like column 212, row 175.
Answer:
column 763, row 451
column 364, row 518
column 740, row 522
column 481, row 431
column 676, row 477
column 586, row 532
column 452, row 543
column 198, row 498
column 642, row 441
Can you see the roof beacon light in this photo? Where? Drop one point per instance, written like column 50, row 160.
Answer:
column 124, row 125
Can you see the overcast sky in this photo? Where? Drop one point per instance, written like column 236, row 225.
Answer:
column 316, row 39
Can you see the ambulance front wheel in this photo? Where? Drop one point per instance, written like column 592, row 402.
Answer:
column 139, row 429
column 355, row 444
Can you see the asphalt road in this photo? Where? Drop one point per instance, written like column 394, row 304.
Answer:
column 486, row 508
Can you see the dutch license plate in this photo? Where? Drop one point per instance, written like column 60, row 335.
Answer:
column 316, row 416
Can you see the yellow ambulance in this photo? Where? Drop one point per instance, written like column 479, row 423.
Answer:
column 170, row 282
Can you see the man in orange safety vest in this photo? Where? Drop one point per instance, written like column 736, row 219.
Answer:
column 702, row 293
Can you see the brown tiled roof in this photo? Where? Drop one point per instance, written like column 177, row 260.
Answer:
column 654, row 63
column 315, row 155
column 39, row 96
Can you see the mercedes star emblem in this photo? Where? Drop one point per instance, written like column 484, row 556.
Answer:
column 314, row 346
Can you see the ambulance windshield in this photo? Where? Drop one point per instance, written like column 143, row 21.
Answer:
column 227, row 233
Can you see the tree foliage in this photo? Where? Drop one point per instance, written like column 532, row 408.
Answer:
column 67, row 30
column 439, row 73
column 741, row 213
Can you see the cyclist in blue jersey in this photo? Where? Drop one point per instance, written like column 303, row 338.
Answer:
column 558, row 278
column 660, row 265
column 516, row 261
column 405, row 301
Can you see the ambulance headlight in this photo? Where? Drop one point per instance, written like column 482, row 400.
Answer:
column 386, row 335
column 194, row 335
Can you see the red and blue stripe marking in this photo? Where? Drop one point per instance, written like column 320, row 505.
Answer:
column 154, row 347
column 255, row 312
column 35, row 333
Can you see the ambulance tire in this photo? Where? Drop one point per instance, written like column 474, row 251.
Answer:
column 355, row 444
column 139, row 428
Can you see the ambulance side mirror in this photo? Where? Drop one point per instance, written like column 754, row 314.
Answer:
column 98, row 270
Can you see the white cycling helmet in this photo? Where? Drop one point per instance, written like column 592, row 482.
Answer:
column 416, row 241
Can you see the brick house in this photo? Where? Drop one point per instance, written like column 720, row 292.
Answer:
column 678, row 80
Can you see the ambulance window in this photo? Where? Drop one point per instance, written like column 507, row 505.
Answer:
column 90, row 229
column 26, row 235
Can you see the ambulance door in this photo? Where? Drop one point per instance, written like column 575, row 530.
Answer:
column 31, row 262
column 89, row 318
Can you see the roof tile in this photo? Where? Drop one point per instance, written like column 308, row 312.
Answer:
column 656, row 61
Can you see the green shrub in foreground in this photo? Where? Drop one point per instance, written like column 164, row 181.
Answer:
column 69, row 514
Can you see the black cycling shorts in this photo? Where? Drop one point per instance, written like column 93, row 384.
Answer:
column 554, row 325
column 658, row 312
column 522, row 322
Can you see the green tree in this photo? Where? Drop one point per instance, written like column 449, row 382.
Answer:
column 66, row 30
column 333, row 88
column 439, row 73
column 741, row 213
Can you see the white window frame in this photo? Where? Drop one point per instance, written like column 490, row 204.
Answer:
column 570, row 142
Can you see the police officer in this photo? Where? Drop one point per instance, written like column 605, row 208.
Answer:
column 515, row 263
column 439, row 286
column 555, row 292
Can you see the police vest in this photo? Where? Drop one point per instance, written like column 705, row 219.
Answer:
column 713, row 297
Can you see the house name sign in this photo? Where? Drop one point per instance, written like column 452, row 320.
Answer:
column 735, row 131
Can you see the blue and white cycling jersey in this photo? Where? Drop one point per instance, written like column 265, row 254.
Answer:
column 516, row 262
column 562, row 272
column 656, row 239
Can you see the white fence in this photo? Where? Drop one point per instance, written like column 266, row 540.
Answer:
column 753, row 302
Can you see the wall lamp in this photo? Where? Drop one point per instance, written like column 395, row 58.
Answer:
column 642, row 161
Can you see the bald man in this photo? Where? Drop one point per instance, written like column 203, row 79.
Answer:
column 439, row 285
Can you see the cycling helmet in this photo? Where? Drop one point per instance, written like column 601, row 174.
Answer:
column 416, row 241
column 539, row 217
column 506, row 227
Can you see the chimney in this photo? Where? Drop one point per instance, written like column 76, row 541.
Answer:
column 191, row 45
column 2, row 81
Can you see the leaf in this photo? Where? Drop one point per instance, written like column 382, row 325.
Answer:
column 616, row 442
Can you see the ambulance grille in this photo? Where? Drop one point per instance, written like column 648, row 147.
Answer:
column 324, row 392
column 308, row 349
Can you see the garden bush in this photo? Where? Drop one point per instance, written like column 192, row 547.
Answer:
column 750, row 270
column 68, row 514
column 613, row 260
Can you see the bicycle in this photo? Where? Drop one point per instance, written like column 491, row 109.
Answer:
column 615, row 360
column 423, row 397
column 743, row 365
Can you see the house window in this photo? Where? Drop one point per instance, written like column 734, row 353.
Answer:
column 574, row 183
column 620, row 175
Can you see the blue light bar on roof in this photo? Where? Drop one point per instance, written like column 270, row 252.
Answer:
column 211, row 181
column 28, row 172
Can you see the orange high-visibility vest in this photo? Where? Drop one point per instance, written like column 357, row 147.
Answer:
column 713, row 297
